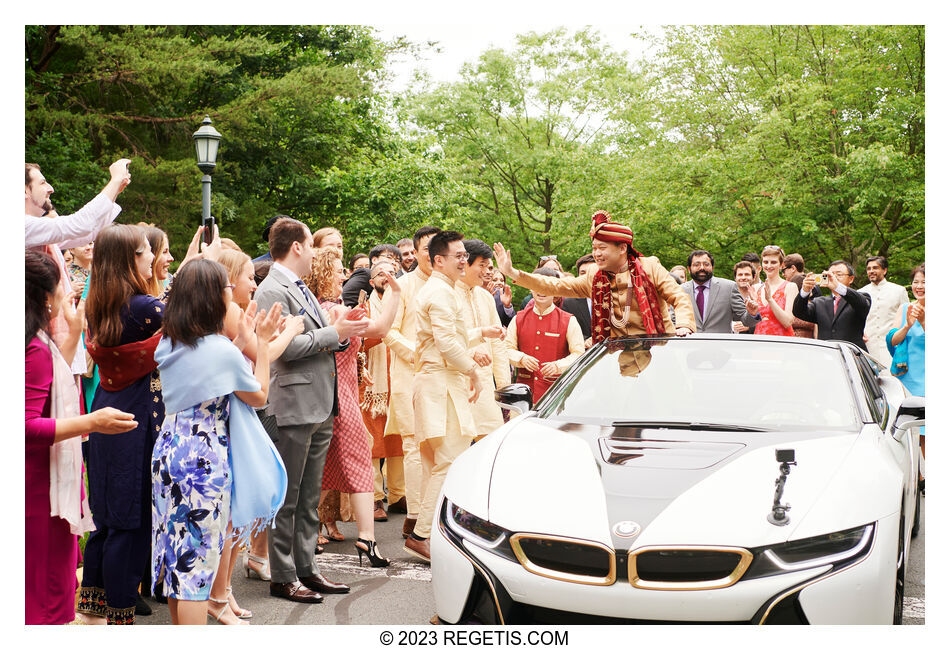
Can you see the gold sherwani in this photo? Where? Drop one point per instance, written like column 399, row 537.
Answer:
column 401, row 341
column 444, row 426
column 478, row 310
column 668, row 292
column 442, row 359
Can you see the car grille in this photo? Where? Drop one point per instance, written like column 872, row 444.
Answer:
column 565, row 558
column 687, row 568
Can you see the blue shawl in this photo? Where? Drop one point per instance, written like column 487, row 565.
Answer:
column 215, row 367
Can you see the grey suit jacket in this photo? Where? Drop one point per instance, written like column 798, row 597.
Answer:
column 723, row 305
column 303, row 379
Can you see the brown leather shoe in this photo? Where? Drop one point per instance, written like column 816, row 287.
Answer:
column 407, row 527
column 294, row 591
column 418, row 548
column 379, row 514
column 398, row 506
column 324, row 586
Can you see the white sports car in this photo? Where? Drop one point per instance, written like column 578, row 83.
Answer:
column 710, row 479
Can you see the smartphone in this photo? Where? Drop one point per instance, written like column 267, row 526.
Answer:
column 824, row 280
column 362, row 298
column 208, row 234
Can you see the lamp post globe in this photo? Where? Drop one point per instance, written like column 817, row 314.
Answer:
column 207, row 140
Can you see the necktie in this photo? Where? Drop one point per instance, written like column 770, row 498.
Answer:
column 837, row 300
column 701, row 300
column 306, row 294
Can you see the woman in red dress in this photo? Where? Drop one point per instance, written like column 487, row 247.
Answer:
column 775, row 296
column 349, row 465
column 52, row 426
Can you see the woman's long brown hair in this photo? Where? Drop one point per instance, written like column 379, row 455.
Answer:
column 113, row 280
column 157, row 240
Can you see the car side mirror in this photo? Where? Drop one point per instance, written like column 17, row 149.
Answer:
column 514, row 397
column 910, row 415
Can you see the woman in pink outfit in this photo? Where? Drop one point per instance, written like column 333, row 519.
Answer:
column 53, row 424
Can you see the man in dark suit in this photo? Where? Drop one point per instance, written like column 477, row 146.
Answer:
column 303, row 399
column 840, row 316
column 716, row 301
column 579, row 308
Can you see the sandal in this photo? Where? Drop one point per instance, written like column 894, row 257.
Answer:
column 261, row 574
column 239, row 611
column 334, row 534
column 226, row 609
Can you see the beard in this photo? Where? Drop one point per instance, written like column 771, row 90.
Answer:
column 700, row 276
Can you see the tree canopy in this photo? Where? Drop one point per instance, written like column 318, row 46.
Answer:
column 725, row 138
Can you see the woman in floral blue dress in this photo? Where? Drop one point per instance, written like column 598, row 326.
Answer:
column 191, row 469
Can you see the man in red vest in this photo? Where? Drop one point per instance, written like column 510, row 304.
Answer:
column 543, row 340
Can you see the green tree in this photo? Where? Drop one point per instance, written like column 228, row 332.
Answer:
column 303, row 121
column 808, row 137
column 528, row 134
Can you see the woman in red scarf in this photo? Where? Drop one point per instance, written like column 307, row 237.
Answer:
column 123, row 324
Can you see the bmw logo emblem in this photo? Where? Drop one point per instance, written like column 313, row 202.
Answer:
column 626, row 529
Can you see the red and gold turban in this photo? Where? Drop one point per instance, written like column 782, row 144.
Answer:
column 604, row 229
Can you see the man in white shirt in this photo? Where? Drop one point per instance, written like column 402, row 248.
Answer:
column 886, row 301
column 46, row 231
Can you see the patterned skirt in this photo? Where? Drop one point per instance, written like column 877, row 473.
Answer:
column 191, row 499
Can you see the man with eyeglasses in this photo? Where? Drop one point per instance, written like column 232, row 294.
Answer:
column 446, row 381
column 840, row 316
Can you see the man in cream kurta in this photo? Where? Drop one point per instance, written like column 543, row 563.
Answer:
column 401, row 341
column 445, row 378
column 484, row 332
column 886, row 301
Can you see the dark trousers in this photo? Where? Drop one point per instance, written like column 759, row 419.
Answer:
column 113, row 563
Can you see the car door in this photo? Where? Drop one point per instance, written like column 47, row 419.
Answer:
column 904, row 450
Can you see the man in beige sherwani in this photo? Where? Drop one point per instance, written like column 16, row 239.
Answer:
column 484, row 336
column 887, row 299
column 401, row 341
column 446, row 381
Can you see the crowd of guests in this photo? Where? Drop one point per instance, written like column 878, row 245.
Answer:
column 255, row 403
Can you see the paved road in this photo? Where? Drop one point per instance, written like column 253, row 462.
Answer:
column 402, row 595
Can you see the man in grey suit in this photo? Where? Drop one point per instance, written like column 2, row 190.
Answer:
column 303, row 399
column 716, row 301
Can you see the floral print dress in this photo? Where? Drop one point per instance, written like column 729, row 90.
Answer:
column 191, row 498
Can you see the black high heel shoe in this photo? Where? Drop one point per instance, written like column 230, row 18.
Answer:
column 371, row 551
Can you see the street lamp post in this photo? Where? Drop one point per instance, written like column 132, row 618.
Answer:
column 207, row 140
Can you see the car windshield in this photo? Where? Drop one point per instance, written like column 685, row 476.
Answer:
column 691, row 381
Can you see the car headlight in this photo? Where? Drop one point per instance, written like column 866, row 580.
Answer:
column 836, row 550
column 476, row 530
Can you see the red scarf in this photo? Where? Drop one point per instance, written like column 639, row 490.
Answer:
column 123, row 365
column 645, row 292
column 647, row 301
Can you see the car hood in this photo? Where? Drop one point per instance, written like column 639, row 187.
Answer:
column 678, row 486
